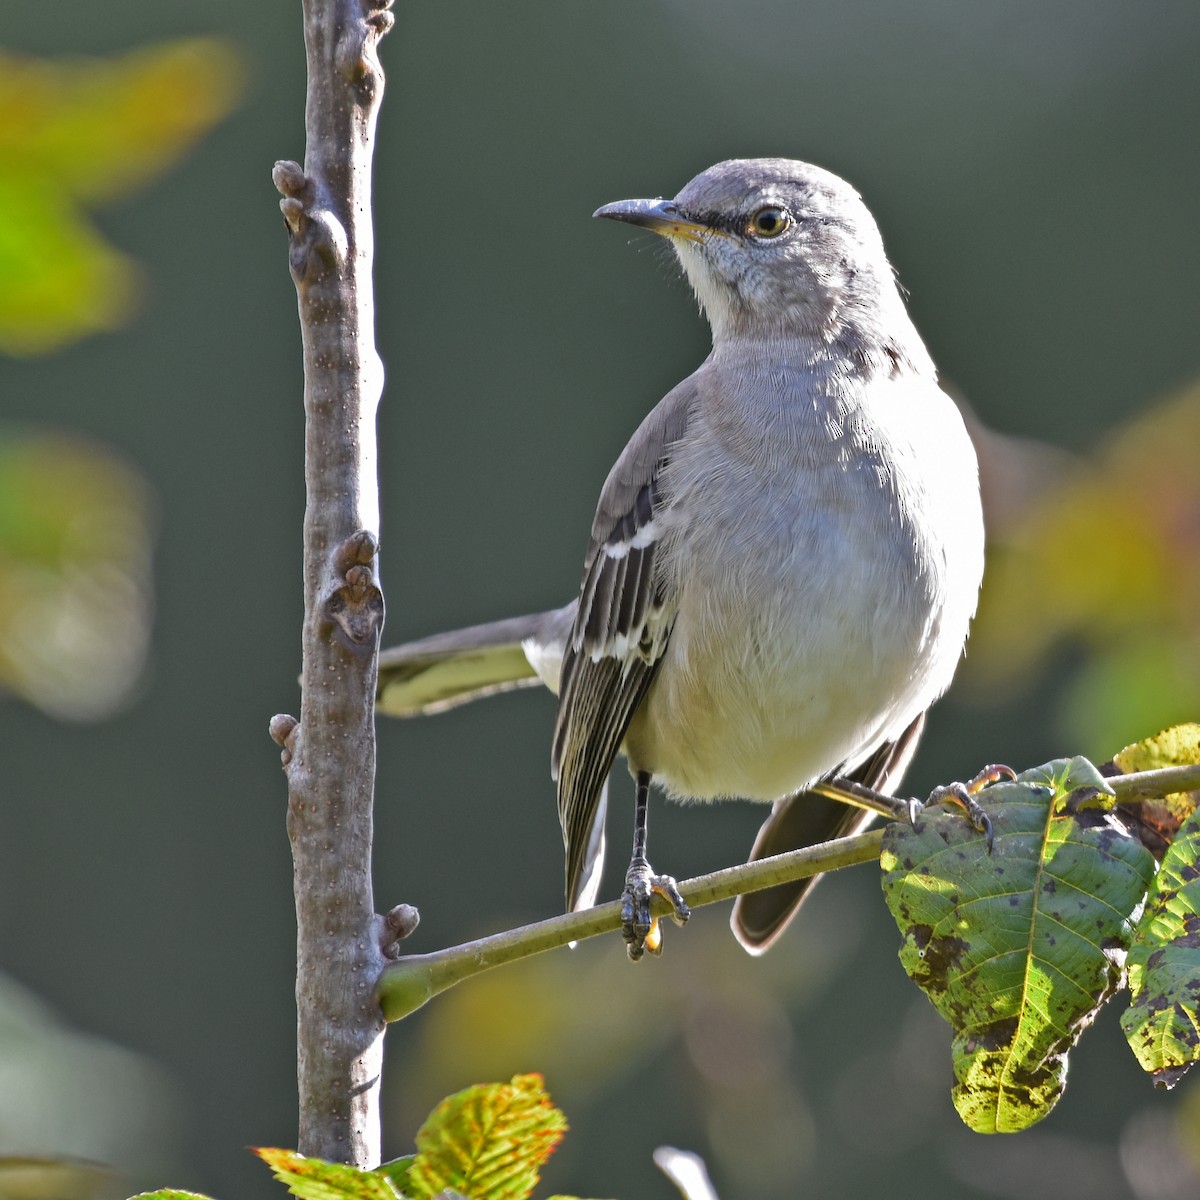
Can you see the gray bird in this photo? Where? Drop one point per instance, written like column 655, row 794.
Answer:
column 784, row 561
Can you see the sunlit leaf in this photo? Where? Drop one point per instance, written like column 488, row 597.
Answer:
column 166, row 1194
column 80, row 132
column 487, row 1142
column 1156, row 821
column 315, row 1179
column 1162, row 1023
column 1018, row 948
column 75, row 586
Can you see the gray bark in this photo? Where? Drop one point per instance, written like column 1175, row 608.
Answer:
column 330, row 755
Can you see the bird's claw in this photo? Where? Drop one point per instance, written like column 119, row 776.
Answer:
column 960, row 794
column 992, row 773
column 639, row 926
column 963, row 794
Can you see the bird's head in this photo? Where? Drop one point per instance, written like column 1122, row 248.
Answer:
column 775, row 248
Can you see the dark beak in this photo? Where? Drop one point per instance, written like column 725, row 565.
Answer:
column 659, row 216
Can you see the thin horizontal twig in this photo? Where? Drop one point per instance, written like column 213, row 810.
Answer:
column 409, row 982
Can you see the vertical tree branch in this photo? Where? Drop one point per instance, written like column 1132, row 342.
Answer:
column 330, row 755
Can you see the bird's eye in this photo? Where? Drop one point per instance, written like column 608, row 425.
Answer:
column 769, row 222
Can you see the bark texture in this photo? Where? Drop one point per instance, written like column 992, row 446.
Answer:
column 330, row 755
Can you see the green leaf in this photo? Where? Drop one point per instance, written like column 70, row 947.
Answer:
column 167, row 1194
column 1017, row 949
column 316, row 1179
column 1162, row 1024
column 397, row 1171
column 487, row 1142
column 78, row 133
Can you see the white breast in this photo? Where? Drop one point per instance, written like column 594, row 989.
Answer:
column 827, row 569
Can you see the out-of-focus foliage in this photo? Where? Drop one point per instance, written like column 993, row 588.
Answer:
column 1106, row 555
column 78, row 133
column 66, row 1092
column 75, row 590
column 737, row 1069
column 75, row 584
column 28, row 1177
column 1018, row 946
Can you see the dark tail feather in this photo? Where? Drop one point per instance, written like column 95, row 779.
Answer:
column 807, row 819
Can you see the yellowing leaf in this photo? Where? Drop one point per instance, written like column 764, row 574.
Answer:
column 316, row 1179
column 1178, row 746
column 1156, row 821
column 487, row 1142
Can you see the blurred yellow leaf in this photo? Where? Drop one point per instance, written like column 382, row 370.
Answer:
column 75, row 585
column 77, row 133
column 1106, row 557
column 29, row 1177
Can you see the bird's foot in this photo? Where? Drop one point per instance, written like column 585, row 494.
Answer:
column 639, row 926
column 963, row 794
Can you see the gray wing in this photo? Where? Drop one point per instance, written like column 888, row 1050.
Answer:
column 621, row 629
column 807, row 819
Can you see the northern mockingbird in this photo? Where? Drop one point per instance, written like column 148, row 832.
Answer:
column 784, row 560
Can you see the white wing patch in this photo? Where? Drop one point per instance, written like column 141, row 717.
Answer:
column 640, row 540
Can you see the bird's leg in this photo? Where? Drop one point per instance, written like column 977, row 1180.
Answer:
column 639, row 927
column 963, row 794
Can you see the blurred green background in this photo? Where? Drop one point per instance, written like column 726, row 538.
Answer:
column 1035, row 169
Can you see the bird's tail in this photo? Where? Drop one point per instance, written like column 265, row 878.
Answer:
column 806, row 819
column 439, row 672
